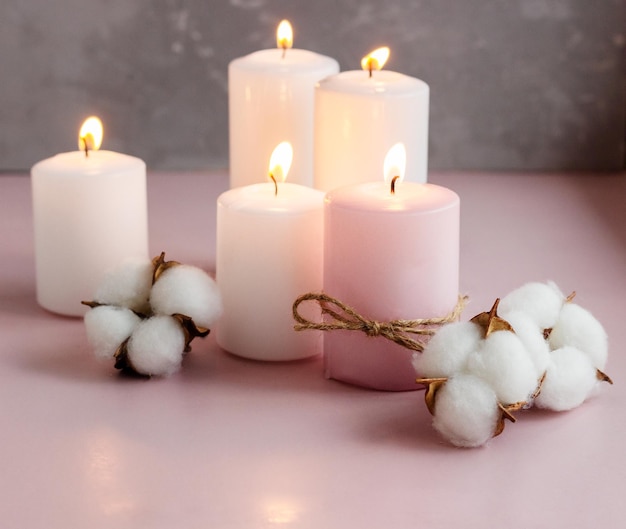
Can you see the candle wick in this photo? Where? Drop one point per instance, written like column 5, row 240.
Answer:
column 370, row 67
column 393, row 184
column 86, row 145
column 275, row 184
column 284, row 51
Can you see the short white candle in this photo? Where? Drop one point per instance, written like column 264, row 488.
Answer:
column 269, row 251
column 90, row 213
column 270, row 96
column 366, row 112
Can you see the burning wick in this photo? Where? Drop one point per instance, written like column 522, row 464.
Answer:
column 284, row 36
column 90, row 135
column 375, row 60
column 393, row 184
column 275, row 184
column 86, row 141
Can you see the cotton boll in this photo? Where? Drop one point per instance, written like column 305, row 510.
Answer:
column 107, row 327
column 578, row 328
column 156, row 346
column 532, row 338
column 541, row 302
column 502, row 361
column 187, row 290
column 570, row 379
column 556, row 289
column 127, row 285
column 466, row 411
column 447, row 351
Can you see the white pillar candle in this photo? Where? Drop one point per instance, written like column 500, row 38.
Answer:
column 90, row 213
column 368, row 111
column 389, row 256
column 270, row 95
column 269, row 251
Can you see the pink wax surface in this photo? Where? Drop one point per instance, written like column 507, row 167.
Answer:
column 231, row 443
column 388, row 256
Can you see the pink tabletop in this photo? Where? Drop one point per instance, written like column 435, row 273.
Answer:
column 231, row 443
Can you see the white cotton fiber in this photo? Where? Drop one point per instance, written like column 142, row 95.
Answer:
column 156, row 346
column 446, row 352
column 127, row 285
column 570, row 379
column 502, row 362
column 532, row 338
column 556, row 288
column 190, row 291
column 466, row 411
column 578, row 328
column 107, row 327
column 541, row 302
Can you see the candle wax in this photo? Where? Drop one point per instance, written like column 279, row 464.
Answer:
column 269, row 251
column 270, row 101
column 358, row 118
column 90, row 213
column 388, row 257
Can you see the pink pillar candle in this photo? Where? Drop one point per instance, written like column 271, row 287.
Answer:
column 388, row 256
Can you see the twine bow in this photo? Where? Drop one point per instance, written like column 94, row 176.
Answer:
column 346, row 318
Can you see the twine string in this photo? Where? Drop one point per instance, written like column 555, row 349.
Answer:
column 344, row 317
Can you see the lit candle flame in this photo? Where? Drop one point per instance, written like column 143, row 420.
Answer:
column 90, row 135
column 284, row 36
column 375, row 60
column 395, row 165
column 280, row 163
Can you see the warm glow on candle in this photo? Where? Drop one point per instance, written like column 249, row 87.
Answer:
column 375, row 60
column 284, row 35
column 280, row 162
column 395, row 165
column 90, row 135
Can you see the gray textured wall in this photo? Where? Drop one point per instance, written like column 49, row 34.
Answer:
column 515, row 84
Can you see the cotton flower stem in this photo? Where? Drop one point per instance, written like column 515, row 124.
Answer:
column 603, row 377
column 95, row 304
column 490, row 321
column 122, row 361
column 568, row 299
column 190, row 329
column 432, row 386
column 160, row 266
column 539, row 386
column 505, row 414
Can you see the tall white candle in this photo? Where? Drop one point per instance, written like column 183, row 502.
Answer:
column 389, row 255
column 368, row 111
column 270, row 96
column 90, row 213
column 269, row 251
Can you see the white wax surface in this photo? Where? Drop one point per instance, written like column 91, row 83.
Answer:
column 359, row 118
column 269, row 251
column 270, row 101
column 389, row 257
column 90, row 213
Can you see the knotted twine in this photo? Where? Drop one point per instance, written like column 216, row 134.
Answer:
column 347, row 319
